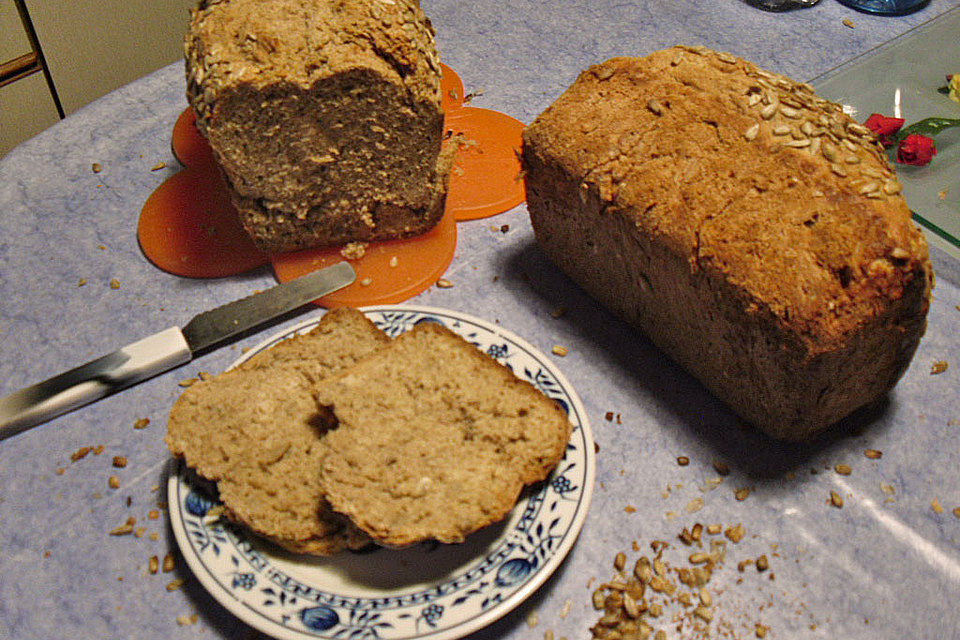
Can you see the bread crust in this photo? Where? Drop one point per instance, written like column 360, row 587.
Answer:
column 751, row 229
column 324, row 117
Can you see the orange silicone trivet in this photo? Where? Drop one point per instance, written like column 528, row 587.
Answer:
column 188, row 226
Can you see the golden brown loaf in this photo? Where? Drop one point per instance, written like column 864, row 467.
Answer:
column 754, row 231
column 324, row 116
column 435, row 439
column 256, row 431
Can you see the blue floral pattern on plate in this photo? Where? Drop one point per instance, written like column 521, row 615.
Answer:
column 437, row 591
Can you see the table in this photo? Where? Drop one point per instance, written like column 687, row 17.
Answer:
column 885, row 565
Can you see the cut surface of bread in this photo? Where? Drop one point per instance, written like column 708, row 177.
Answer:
column 324, row 115
column 256, row 431
column 435, row 439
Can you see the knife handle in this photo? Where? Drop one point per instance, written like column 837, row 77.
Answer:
column 135, row 362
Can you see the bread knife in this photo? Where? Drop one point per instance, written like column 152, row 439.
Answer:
column 163, row 351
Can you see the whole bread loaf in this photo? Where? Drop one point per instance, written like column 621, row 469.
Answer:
column 256, row 431
column 435, row 439
column 750, row 228
column 324, row 116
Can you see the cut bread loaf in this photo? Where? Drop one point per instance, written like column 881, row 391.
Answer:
column 754, row 231
column 324, row 116
column 435, row 439
column 256, row 431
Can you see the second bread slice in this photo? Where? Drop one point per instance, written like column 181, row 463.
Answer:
column 435, row 439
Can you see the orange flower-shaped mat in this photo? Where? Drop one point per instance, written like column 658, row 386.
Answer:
column 189, row 227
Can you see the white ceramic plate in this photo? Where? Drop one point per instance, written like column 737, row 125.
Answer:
column 431, row 591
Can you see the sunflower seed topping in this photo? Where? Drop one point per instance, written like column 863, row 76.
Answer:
column 891, row 187
column 789, row 112
column 752, row 132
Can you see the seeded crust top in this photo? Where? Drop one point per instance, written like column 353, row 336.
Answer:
column 745, row 173
column 258, row 43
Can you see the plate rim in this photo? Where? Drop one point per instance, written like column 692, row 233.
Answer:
column 246, row 614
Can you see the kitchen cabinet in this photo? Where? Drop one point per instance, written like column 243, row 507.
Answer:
column 91, row 47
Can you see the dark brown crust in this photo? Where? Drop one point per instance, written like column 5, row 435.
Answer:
column 786, row 291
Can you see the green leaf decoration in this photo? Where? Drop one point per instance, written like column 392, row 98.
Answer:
column 929, row 127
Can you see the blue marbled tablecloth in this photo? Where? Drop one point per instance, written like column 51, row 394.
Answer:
column 885, row 565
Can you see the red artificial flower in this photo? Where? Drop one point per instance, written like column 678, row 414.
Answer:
column 916, row 149
column 884, row 127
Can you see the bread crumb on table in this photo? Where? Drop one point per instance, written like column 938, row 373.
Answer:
column 847, row 22
column 443, row 283
column 938, row 367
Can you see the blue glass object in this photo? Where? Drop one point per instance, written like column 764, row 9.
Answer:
column 886, row 7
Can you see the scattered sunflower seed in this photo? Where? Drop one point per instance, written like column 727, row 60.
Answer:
column 762, row 563
column 938, row 367
column 141, row 423
column 842, row 469
column 835, row 499
column 741, row 494
column 873, row 454
column 735, row 534
column 125, row 528
column 683, row 461
column 559, row 350
column 443, row 283
column 935, row 505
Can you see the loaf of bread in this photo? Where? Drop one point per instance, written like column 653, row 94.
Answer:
column 750, row 228
column 324, row 116
column 435, row 439
column 256, row 431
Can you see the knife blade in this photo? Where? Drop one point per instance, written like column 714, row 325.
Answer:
column 162, row 351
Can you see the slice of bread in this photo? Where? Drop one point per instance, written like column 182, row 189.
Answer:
column 435, row 439
column 256, row 431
